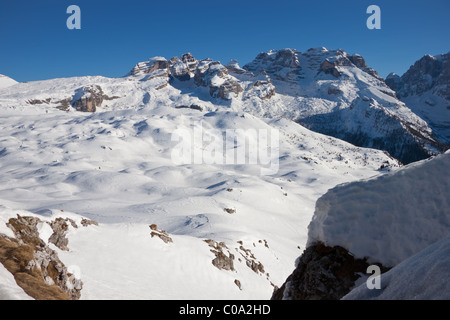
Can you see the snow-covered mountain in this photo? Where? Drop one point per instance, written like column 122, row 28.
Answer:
column 328, row 91
column 425, row 88
column 165, row 226
column 335, row 93
column 6, row 81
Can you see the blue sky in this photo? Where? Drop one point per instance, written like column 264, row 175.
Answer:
column 35, row 43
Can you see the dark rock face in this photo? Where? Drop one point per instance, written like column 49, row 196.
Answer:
column 192, row 106
column 394, row 81
column 64, row 104
column 281, row 65
column 179, row 69
column 367, row 124
column 322, row 273
column 208, row 72
column 425, row 88
column 190, row 61
column 330, row 68
column 428, row 73
column 274, row 60
column 358, row 61
column 342, row 59
column 228, row 87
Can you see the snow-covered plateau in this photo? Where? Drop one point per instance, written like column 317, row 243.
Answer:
column 90, row 185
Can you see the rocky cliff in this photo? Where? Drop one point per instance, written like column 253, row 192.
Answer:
column 425, row 88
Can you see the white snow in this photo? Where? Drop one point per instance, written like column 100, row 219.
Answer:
column 114, row 166
column 424, row 276
column 9, row 290
column 6, row 81
column 390, row 217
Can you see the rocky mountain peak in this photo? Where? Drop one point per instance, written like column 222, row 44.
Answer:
column 427, row 73
column 280, row 64
column 425, row 88
column 146, row 67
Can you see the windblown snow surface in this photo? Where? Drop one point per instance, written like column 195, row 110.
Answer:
column 424, row 276
column 116, row 166
column 400, row 219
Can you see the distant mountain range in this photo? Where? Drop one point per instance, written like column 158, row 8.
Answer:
column 328, row 91
column 425, row 88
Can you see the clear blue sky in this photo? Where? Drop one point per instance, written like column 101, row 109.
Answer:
column 35, row 43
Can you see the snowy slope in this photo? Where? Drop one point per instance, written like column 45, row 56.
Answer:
column 6, row 81
column 115, row 166
column 390, row 217
column 424, row 276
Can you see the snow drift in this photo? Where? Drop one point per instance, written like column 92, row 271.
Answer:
column 388, row 218
column 423, row 276
column 383, row 220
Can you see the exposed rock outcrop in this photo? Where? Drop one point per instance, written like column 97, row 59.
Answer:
column 264, row 89
column 342, row 59
column 224, row 259
column 192, row 106
column 322, row 273
column 250, row 259
column 425, row 88
column 162, row 234
column 214, row 75
column 281, row 64
column 60, row 228
column 150, row 66
column 36, row 267
column 184, row 68
column 428, row 73
column 89, row 98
